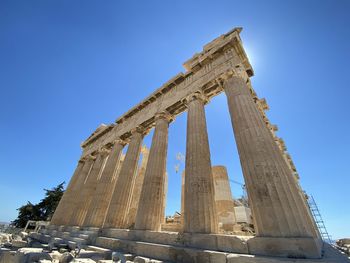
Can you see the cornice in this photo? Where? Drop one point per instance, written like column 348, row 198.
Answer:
column 224, row 56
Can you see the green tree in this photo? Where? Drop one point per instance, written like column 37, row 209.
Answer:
column 41, row 211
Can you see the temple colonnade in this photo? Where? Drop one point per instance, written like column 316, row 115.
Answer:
column 100, row 196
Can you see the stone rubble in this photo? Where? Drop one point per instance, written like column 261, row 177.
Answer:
column 344, row 245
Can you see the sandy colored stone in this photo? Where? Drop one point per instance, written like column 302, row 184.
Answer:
column 137, row 188
column 74, row 201
column 223, row 198
column 120, row 201
column 199, row 210
column 277, row 206
column 276, row 198
column 291, row 247
column 58, row 217
column 105, row 187
column 24, row 255
column 88, row 188
column 150, row 212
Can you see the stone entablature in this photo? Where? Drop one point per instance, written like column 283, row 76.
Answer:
column 224, row 55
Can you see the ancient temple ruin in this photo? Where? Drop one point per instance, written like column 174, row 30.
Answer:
column 103, row 200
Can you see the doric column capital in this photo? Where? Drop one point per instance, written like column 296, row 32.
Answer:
column 238, row 71
column 227, row 75
column 120, row 141
column 198, row 95
column 89, row 157
column 164, row 115
column 141, row 130
column 104, row 151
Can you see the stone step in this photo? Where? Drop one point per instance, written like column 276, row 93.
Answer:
column 57, row 240
column 42, row 230
column 60, row 234
column 90, row 228
column 93, row 254
column 66, row 235
column 42, row 238
column 215, row 242
column 184, row 254
column 88, row 232
column 77, row 234
column 161, row 252
column 84, row 236
column 78, row 240
column 72, row 244
column 52, row 227
column 101, row 250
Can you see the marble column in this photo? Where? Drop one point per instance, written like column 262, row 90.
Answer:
column 165, row 192
column 199, row 211
column 100, row 201
column 120, row 202
column 89, row 188
column 136, row 193
column 60, row 212
column 278, row 208
column 150, row 210
column 73, row 203
column 79, row 196
column 182, row 199
column 223, row 198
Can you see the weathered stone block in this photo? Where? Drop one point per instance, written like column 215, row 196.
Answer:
column 285, row 247
column 19, row 243
column 187, row 255
column 168, row 238
column 149, row 250
column 116, row 233
column 83, row 260
column 139, row 259
column 205, row 241
column 24, row 255
column 231, row 244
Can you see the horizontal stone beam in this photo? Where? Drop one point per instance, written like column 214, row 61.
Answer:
column 224, row 55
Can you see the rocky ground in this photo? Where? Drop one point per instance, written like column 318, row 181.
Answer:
column 20, row 248
column 344, row 245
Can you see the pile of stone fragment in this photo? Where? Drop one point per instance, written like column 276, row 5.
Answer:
column 344, row 245
column 22, row 249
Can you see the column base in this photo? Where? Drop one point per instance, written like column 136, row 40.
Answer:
column 291, row 247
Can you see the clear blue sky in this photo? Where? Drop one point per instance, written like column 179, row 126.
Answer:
column 67, row 66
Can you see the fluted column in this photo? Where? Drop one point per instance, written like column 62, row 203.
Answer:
column 223, row 198
column 182, row 199
column 150, row 210
column 60, row 214
column 100, row 201
column 278, row 208
column 80, row 198
column 165, row 192
column 200, row 212
column 74, row 200
column 120, row 202
column 90, row 185
column 136, row 193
